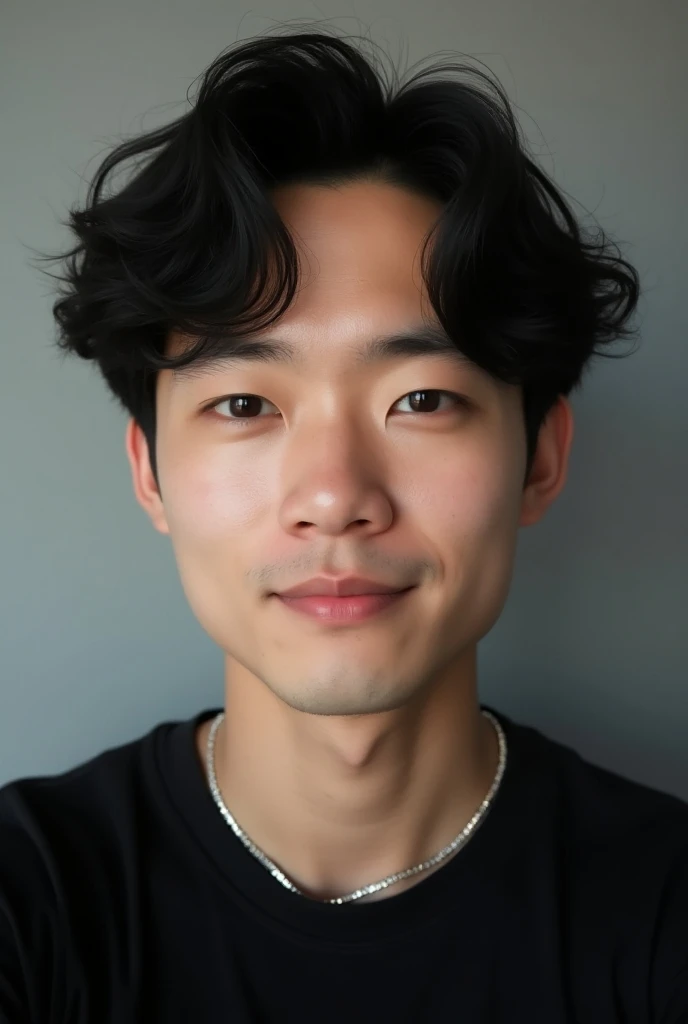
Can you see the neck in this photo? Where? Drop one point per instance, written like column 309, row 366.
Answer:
column 338, row 802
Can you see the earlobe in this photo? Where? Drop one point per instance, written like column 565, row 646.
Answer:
column 143, row 481
column 550, row 465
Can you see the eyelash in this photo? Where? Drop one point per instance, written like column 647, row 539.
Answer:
column 460, row 400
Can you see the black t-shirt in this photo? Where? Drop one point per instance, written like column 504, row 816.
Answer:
column 125, row 898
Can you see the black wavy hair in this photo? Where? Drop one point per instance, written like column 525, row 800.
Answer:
column 193, row 243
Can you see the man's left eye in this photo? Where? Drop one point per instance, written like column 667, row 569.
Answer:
column 429, row 400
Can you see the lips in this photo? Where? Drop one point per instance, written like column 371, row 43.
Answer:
column 343, row 586
column 341, row 610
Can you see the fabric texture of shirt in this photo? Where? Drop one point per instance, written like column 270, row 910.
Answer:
column 126, row 899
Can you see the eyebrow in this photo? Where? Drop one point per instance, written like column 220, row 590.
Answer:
column 412, row 342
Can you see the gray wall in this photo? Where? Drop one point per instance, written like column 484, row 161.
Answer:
column 97, row 642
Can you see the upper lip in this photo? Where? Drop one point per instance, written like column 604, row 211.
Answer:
column 342, row 586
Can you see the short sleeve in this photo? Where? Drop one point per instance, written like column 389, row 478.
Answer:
column 670, row 965
column 13, row 993
column 675, row 1006
column 26, row 907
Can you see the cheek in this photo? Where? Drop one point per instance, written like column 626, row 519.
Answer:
column 467, row 510
column 464, row 496
column 213, row 502
column 212, row 510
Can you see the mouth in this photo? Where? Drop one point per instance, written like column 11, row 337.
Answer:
column 344, row 610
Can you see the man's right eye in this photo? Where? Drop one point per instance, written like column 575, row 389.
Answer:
column 239, row 407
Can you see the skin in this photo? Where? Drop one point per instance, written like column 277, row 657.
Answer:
column 349, row 753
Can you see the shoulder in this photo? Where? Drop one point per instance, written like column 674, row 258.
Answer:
column 622, row 844
column 35, row 806
column 624, row 847
column 69, row 847
column 597, row 806
column 633, row 834
column 64, row 838
column 96, row 802
column 51, row 823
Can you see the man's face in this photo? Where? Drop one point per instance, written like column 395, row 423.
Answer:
column 338, row 467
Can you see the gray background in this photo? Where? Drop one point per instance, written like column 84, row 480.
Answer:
column 97, row 641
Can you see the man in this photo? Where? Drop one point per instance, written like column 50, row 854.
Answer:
column 343, row 316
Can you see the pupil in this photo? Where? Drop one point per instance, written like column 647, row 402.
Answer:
column 240, row 404
column 424, row 397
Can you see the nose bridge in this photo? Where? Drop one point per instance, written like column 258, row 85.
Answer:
column 332, row 476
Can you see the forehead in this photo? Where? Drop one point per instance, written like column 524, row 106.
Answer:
column 359, row 247
column 360, row 240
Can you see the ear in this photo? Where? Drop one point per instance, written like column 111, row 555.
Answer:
column 550, row 464
column 145, row 487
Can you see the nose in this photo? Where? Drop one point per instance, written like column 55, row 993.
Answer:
column 334, row 483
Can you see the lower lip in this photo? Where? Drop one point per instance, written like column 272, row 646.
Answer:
column 343, row 609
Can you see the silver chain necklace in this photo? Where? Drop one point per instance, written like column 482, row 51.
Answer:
column 462, row 837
